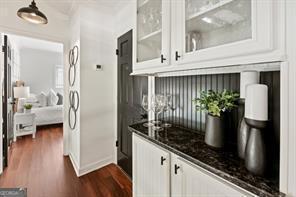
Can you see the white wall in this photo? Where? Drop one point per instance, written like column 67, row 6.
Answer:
column 38, row 69
column 97, row 88
column 73, row 136
column 290, row 152
column 129, row 22
column 91, row 144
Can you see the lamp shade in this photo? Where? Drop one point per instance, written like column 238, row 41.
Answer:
column 247, row 78
column 256, row 103
column 21, row 92
column 32, row 14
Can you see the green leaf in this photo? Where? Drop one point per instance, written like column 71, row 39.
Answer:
column 214, row 102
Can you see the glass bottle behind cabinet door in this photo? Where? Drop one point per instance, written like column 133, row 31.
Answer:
column 149, row 30
column 211, row 23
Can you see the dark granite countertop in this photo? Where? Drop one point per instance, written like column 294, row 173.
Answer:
column 190, row 146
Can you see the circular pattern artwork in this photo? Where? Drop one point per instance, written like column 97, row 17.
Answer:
column 73, row 58
column 74, row 105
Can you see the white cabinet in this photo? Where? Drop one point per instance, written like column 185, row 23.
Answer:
column 188, row 180
column 152, row 34
column 151, row 169
column 208, row 33
column 212, row 29
column 157, row 172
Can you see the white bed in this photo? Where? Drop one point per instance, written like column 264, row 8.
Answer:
column 48, row 115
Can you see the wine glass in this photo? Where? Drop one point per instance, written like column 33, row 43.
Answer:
column 168, row 106
column 145, row 106
column 157, row 104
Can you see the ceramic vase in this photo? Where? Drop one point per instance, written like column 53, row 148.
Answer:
column 243, row 131
column 255, row 157
column 215, row 134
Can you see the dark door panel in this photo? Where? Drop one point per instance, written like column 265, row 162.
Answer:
column 130, row 91
column 7, row 101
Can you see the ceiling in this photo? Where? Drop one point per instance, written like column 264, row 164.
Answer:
column 63, row 6
column 66, row 6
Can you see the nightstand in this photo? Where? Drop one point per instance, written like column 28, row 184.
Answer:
column 24, row 124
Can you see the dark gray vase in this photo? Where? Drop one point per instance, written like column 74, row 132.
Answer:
column 215, row 135
column 243, row 131
column 255, row 157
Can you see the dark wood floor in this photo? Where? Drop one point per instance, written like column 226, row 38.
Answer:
column 39, row 165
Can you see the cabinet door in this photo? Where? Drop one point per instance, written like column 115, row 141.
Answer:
column 217, row 29
column 187, row 180
column 152, row 37
column 151, row 175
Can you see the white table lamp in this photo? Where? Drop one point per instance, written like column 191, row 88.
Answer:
column 21, row 92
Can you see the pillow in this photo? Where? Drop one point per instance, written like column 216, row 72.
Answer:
column 32, row 99
column 42, row 99
column 52, row 98
column 60, row 101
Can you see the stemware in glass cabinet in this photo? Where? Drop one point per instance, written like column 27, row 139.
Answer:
column 211, row 23
column 149, row 29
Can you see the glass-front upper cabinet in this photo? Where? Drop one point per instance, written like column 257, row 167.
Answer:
column 152, row 33
column 213, row 29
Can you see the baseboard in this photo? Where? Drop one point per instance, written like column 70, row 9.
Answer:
column 95, row 165
column 74, row 164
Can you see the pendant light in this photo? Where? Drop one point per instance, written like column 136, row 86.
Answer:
column 32, row 14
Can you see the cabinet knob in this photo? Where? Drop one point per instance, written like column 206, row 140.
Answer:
column 162, row 159
column 177, row 56
column 176, row 168
column 162, row 59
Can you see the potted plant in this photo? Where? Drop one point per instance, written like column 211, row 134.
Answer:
column 216, row 104
column 28, row 108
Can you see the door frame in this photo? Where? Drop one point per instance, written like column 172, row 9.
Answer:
column 66, row 48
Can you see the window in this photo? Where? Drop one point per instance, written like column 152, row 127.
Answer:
column 59, row 77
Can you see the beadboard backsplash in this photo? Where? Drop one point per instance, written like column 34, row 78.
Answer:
column 185, row 88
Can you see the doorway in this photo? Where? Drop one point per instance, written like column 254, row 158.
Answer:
column 33, row 76
column 130, row 92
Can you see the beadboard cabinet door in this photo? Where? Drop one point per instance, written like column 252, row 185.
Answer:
column 187, row 180
column 152, row 34
column 151, row 169
column 210, row 30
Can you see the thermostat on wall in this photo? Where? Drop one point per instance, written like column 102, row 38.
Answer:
column 99, row 67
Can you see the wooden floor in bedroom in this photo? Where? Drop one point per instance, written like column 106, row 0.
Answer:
column 39, row 165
